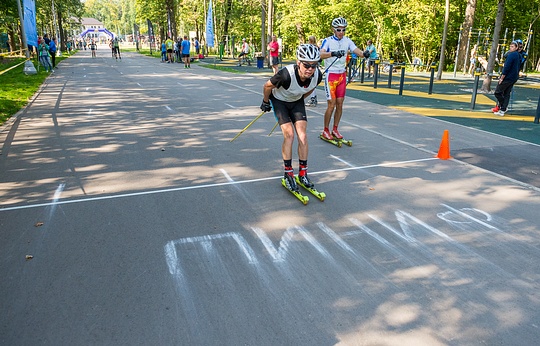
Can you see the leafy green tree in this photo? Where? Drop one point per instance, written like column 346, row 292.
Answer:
column 153, row 10
column 116, row 15
column 401, row 29
column 9, row 19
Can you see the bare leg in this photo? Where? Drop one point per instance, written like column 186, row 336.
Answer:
column 338, row 112
column 328, row 113
column 303, row 147
column 288, row 139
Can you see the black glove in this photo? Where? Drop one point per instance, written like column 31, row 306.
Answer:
column 266, row 106
column 338, row 54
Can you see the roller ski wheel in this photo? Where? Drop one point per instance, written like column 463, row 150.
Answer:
column 320, row 195
column 347, row 142
column 338, row 137
column 302, row 198
column 331, row 141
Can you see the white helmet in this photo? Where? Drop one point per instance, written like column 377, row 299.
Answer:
column 340, row 21
column 308, row 52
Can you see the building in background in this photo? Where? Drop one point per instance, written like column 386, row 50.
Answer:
column 91, row 28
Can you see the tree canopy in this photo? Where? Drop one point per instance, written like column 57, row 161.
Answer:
column 400, row 29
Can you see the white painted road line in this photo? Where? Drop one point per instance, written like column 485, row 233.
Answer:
column 227, row 176
column 194, row 187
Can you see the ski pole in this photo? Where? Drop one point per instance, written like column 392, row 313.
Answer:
column 273, row 128
column 326, row 70
column 248, row 125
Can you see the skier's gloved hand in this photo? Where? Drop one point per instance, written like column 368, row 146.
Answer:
column 266, row 106
column 338, row 54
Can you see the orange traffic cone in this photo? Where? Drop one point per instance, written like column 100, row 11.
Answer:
column 444, row 150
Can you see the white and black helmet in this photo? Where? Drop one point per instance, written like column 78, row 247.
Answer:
column 340, row 21
column 308, row 52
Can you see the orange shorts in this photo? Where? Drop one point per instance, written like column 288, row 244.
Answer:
column 335, row 85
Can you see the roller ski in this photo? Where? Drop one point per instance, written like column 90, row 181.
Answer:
column 310, row 187
column 327, row 137
column 289, row 182
column 347, row 142
column 338, row 137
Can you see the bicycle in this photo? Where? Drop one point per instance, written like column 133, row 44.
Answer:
column 248, row 58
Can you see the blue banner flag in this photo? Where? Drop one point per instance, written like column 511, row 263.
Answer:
column 30, row 27
column 209, row 27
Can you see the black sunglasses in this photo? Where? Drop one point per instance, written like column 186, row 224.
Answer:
column 306, row 65
column 340, row 30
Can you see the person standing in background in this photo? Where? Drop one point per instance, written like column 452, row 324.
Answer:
column 509, row 76
column 163, row 51
column 472, row 60
column 197, row 46
column 43, row 50
column 273, row 47
column 186, row 45
column 170, row 46
column 370, row 48
column 93, row 48
column 116, row 47
column 52, row 51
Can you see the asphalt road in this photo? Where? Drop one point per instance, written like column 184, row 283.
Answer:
column 127, row 217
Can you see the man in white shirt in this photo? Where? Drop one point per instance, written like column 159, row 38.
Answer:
column 334, row 50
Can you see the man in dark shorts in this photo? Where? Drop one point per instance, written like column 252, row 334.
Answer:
column 186, row 47
column 287, row 90
column 169, row 44
column 116, row 48
column 93, row 48
column 273, row 48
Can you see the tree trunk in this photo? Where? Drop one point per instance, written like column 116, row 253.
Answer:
column 300, row 32
column 468, row 23
column 11, row 40
column 443, row 44
column 19, row 36
column 270, row 25
column 228, row 10
column 162, row 32
column 171, row 19
column 486, row 85
column 61, row 40
column 263, row 27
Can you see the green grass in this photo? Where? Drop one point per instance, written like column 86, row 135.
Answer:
column 221, row 68
column 16, row 88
